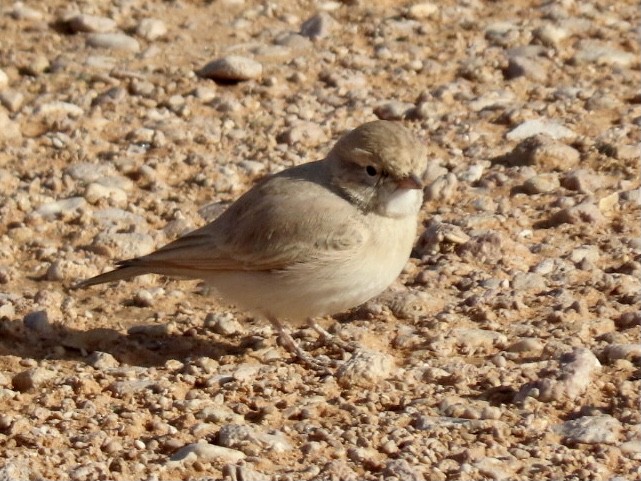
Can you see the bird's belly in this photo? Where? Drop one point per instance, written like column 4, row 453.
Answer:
column 312, row 290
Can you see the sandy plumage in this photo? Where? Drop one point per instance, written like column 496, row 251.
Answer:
column 312, row 240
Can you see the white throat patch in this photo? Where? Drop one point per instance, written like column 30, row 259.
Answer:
column 402, row 203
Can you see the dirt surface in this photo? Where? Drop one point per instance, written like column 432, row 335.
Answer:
column 509, row 348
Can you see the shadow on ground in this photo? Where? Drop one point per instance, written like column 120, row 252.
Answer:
column 64, row 343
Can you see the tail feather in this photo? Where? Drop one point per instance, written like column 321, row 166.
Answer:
column 126, row 270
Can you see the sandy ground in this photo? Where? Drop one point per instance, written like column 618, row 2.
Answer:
column 508, row 349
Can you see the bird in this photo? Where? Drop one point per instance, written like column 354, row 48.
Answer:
column 312, row 240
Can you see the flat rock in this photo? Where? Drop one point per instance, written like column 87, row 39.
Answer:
column 590, row 253
column 20, row 11
column 121, row 388
column 303, row 133
column 96, row 192
column 207, row 453
column 494, row 468
column 113, row 216
column 583, row 213
column 113, row 41
column 530, row 128
column 89, row 172
column 519, row 66
column 600, row 53
column 59, row 207
column 631, row 352
column 32, row 379
column 232, row 68
column 570, row 380
column 365, row 368
column 251, row 440
column 91, row 24
column 550, row 34
column 393, row 110
column 584, row 181
column 526, row 345
column 543, row 151
column 102, row 360
column 421, row 11
column 122, row 245
column 59, row 108
column 401, row 469
column 541, row 184
column 528, row 281
column 471, row 337
column 603, row 429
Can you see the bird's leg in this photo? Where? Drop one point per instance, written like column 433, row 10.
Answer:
column 327, row 338
column 287, row 341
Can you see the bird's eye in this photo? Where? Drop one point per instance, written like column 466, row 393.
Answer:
column 371, row 170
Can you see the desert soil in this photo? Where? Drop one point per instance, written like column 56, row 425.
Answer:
column 508, row 349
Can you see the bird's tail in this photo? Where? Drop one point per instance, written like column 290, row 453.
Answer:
column 126, row 270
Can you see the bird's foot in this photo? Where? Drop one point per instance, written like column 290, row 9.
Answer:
column 286, row 340
column 328, row 339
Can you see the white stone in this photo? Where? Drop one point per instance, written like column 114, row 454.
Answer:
column 51, row 209
column 95, row 192
column 91, row 23
column 421, row 11
column 365, row 368
column 207, row 453
column 113, row 41
column 59, row 108
column 530, row 128
column 151, row 29
column 603, row 429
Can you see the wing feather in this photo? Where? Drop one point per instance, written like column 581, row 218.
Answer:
column 279, row 223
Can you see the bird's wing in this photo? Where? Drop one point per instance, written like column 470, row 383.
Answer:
column 277, row 224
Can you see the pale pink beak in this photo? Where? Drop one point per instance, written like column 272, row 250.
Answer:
column 410, row 182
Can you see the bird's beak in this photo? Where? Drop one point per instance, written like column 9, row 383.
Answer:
column 410, row 182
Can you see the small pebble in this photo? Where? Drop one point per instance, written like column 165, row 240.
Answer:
column 365, row 368
column 113, row 41
column 91, row 24
column 393, row 110
column 232, row 68
column 207, row 453
column 151, row 29
column 541, row 184
column 102, row 360
column 37, row 321
column 12, row 100
column 64, row 206
column 303, row 133
column 421, row 11
column 318, row 26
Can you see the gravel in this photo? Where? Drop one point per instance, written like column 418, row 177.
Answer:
column 507, row 349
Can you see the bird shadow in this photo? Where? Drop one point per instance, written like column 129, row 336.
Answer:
column 56, row 341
